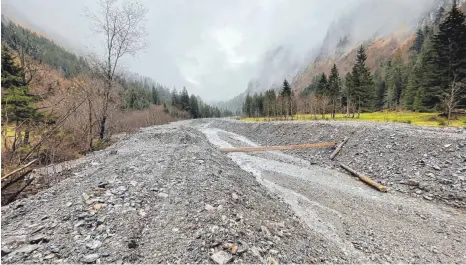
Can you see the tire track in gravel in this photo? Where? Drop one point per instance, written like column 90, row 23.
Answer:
column 363, row 223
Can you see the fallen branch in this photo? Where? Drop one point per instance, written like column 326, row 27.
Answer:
column 17, row 179
column 19, row 169
column 13, row 197
column 335, row 153
column 270, row 148
column 365, row 179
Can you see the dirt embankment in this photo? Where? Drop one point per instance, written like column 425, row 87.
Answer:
column 428, row 163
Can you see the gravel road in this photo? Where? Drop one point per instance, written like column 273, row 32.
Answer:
column 167, row 195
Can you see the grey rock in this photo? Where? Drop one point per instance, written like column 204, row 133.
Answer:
column 209, row 208
column 94, row 244
column 91, row 258
column 221, row 257
column 27, row 249
column 162, row 195
column 38, row 238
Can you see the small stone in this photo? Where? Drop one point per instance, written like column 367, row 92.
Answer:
column 38, row 238
column 142, row 213
column 27, row 249
column 14, row 239
column 68, row 204
column 272, row 260
column 209, row 208
column 113, row 152
column 100, row 220
column 102, row 184
column 427, row 197
column 86, row 197
column 94, row 244
column 235, row 196
column 436, row 167
column 91, row 258
column 221, row 257
column 5, row 251
column 163, row 195
column 266, row 231
column 412, row 182
column 175, row 230
column 133, row 183
column 98, row 206
column 418, row 192
column 447, row 145
column 50, row 256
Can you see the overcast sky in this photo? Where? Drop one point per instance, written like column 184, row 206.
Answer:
column 212, row 47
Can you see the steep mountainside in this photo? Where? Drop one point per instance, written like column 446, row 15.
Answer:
column 384, row 27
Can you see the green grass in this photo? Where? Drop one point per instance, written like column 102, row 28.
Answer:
column 415, row 118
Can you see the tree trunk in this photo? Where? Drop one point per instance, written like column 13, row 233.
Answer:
column 90, row 124
column 26, row 135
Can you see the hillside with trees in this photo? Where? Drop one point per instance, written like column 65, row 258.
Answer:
column 57, row 105
column 428, row 75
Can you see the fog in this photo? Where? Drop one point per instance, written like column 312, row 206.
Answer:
column 215, row 48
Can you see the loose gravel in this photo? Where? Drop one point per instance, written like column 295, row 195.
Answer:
column 162, row 195
column 427, row 163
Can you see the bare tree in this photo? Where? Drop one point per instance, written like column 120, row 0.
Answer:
column 453, row 96
column 122, row 25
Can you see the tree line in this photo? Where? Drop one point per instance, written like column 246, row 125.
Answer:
column 432, row 79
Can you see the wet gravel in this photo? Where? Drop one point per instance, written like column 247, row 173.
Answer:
column 426, row 163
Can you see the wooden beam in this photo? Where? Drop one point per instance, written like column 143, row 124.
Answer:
column 335, row 153
column 365, row 179
column 270, row 148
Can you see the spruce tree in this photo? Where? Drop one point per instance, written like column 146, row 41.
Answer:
column 334, row 87
column 447, row 63
column 418, row 41
column 322, row 86
column 193, row 107
column 361, row 82
column 17, row 103
column 184, row 100
column 155, row 97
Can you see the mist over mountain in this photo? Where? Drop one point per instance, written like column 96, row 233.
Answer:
column 384, row 24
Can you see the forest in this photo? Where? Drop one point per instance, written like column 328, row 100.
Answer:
column 432, row 80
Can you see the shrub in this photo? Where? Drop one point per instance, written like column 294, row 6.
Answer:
column 441, row 121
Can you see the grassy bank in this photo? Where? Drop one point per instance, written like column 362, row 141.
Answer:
column 416, row 118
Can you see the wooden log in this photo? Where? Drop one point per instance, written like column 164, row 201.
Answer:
column 337, row 150
column 279, row 147
column 13, row 197
column 20, row 177
column 365, row 179
column 18, row 170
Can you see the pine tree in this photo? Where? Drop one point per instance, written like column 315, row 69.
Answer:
column 361, row 82
column 417, row 45
column 193, row 107
column 322, row 86
column 184, row 100
column 175, row 98
column 447, row 64
column 334, row 87
column 17, row 103
column 155, row 96
column 286, row 98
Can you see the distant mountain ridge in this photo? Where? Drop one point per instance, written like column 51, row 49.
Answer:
column 390, row 31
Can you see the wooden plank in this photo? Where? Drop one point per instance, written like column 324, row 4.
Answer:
column 271, row 148
column 365, row 179
column 335, row 153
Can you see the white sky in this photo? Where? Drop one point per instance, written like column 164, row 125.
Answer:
column 213, row 47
